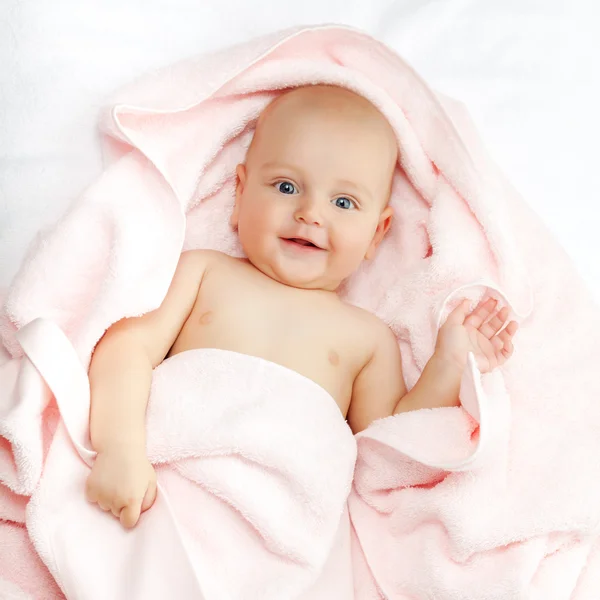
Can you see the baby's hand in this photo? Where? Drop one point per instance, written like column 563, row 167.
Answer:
column 477, row 332
column 122, row 481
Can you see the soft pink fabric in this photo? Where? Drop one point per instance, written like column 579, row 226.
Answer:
column 23, row 576
column 498, row 498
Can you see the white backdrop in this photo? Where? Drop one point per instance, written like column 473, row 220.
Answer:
column 528, row 70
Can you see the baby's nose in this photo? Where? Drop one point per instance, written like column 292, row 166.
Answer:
column 308, row 212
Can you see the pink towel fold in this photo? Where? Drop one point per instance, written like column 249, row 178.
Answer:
column 498, row 498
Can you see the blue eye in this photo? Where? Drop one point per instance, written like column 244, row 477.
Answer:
column 344, row 203
column 285, row 187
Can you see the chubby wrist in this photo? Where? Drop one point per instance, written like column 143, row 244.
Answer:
column 442, row 378
column 450, row 366
column 438, row 386
column 120, row 443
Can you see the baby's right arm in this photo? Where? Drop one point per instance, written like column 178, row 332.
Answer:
column 122, row 479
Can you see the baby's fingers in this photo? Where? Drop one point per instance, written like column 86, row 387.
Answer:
column 130, row 515
column 507, row 350
column 95, row 495
column 508, row 333
column 481, row 313
column 150, row 496
column 91, row 493
column 495, row 324
column 506, row 347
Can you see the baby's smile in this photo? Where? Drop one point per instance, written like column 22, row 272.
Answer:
column 301, row 246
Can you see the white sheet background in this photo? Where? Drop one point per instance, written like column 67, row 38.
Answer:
column 527, row 70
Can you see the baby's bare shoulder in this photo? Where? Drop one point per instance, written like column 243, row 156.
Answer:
column 208, row 260
column 205, row 254
column 368, row 329
column 368, row 321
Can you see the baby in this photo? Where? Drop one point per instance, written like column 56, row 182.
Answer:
column 311, row 204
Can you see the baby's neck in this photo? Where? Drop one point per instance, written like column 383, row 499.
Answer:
column 308, row 289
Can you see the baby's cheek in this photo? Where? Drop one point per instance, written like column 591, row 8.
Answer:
column 249, row 230
column 255, row 215
column 355, row 236
column 350, row 247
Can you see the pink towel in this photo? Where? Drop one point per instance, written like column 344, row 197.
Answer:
column 498, row 498
column 246, row 506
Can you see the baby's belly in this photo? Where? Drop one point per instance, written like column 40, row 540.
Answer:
column 322, row 363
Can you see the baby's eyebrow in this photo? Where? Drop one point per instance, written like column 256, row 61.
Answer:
column 277, row 165
column 355, row 186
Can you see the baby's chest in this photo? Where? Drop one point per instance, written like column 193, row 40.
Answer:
column 316, row 344
column 271, row 328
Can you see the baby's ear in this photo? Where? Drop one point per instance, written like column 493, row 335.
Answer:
column 385, row 221
column 240, row 172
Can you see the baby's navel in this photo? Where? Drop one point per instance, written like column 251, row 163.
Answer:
column 334, row 358
column 206, row 318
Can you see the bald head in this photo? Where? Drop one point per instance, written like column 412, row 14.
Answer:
column 328, row 102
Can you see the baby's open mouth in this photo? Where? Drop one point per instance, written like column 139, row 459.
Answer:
column 302, row 242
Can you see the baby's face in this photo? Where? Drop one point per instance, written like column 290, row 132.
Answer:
column 311, row 200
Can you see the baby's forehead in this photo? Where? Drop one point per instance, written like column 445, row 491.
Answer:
column 321, row 101
column 324, row 105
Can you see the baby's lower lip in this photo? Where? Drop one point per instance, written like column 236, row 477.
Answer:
column 290, row 243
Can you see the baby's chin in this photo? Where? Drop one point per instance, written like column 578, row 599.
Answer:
column 298, row 278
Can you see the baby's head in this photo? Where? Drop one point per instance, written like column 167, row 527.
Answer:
column 312, row 196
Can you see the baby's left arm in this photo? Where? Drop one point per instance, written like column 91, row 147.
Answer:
column 379, row 390
column 380, row 384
